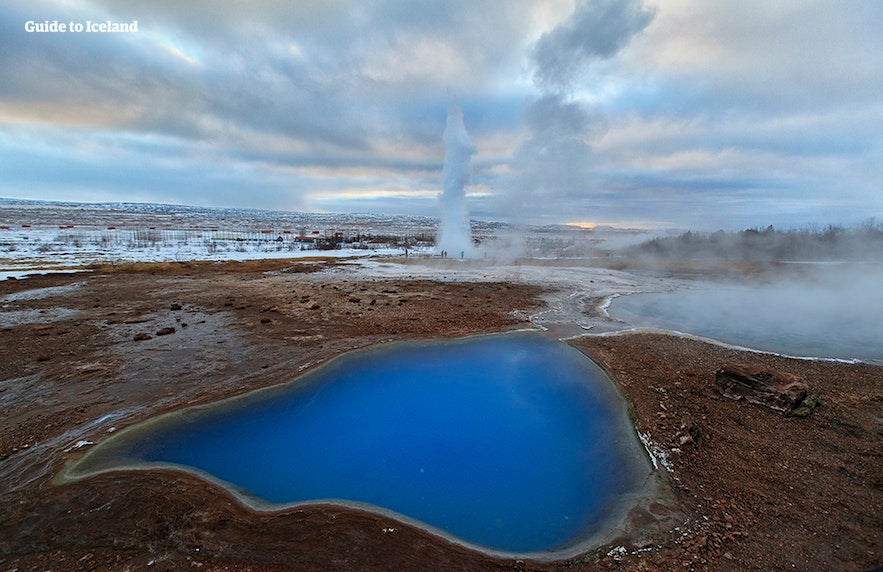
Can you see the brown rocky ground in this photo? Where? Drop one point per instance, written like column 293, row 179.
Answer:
column 754, row 491
column 761, row 491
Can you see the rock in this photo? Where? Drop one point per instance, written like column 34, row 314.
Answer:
column 165, row 331
column 175, row 307
column 777, row 390
column 141, row 336
column 688, row 434
column 809, row 403
column 266, row 320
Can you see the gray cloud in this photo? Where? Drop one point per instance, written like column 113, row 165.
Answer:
column 596, row 30
column 316, row 78
column 747, row 109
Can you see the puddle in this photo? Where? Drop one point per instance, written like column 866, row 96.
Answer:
column 41, row 293
column 9, row 318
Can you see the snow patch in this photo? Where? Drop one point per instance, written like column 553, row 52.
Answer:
column 617, row 553
column 79, row 445
column 658, row 455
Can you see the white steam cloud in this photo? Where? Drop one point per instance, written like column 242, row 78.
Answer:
column 554, row 165
column 454, row 234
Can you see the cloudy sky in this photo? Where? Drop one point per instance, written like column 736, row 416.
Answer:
column 661, row 113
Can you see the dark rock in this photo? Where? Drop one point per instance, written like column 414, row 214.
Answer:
column 265, row 320
column 777, row 390
column 165, row 331
column 175, row 307
column 688, row 434
column 809, row 403
column 141, row 336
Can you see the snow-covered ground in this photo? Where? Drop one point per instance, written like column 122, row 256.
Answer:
column 40, row 249
column 40, row 236
column 37, row 236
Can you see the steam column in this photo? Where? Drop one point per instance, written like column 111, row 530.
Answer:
column 454, row 235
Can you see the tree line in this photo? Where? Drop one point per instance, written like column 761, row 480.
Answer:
column 813, row 242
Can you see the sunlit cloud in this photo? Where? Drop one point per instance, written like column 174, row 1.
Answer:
column 621, row 224
column 37, row 112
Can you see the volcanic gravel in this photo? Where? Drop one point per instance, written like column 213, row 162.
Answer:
column 750, row 489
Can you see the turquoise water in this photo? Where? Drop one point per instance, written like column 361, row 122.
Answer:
column 514, row 442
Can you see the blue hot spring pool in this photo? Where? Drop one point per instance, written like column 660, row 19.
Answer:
column 514, row 442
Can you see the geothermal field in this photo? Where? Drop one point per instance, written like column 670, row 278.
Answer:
column 536, row 285
column 727, row 394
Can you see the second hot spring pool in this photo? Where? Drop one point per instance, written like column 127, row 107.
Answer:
column 513, row 442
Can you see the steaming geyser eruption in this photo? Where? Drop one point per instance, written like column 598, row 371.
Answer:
column 453, row 233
